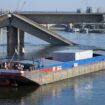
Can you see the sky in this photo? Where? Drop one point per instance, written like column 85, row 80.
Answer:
column 50, row 5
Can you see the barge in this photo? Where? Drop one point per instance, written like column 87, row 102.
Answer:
column 44, row 71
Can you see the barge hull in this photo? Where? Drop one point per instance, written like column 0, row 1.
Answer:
column 42, row 78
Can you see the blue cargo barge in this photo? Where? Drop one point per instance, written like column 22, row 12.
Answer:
column 44, row 71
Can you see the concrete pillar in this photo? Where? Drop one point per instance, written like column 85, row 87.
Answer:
column 48, row 26
column 94, row 27
column 20, row 41
column 103, row 18
column 83, row 25
column 15, row 39
column 11, row 40
column 69, row 27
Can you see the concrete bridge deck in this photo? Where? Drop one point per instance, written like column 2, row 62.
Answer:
column 32, row 27
column 38, row 30
column 58, row 17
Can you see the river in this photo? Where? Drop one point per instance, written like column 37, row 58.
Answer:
column 84, row 90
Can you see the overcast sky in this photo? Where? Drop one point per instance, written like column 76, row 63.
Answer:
column 50, row 5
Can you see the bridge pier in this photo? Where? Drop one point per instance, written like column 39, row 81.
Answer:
column 15, row 40
column 20, row 41
column 69, row 27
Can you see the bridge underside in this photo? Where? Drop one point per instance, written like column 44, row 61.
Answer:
column 33, row 28
column 17, row 25
column 37, row 30
column 63, row 17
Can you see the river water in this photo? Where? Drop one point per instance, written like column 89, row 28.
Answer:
column 84, row 90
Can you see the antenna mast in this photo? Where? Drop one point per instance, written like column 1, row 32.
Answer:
column 22, row 6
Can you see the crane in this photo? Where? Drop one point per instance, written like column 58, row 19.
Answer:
column 20, row 6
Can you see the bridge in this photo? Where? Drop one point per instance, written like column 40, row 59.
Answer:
column 63, row 17
column 17, row 25
column 68, row 19
column 19, row 22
